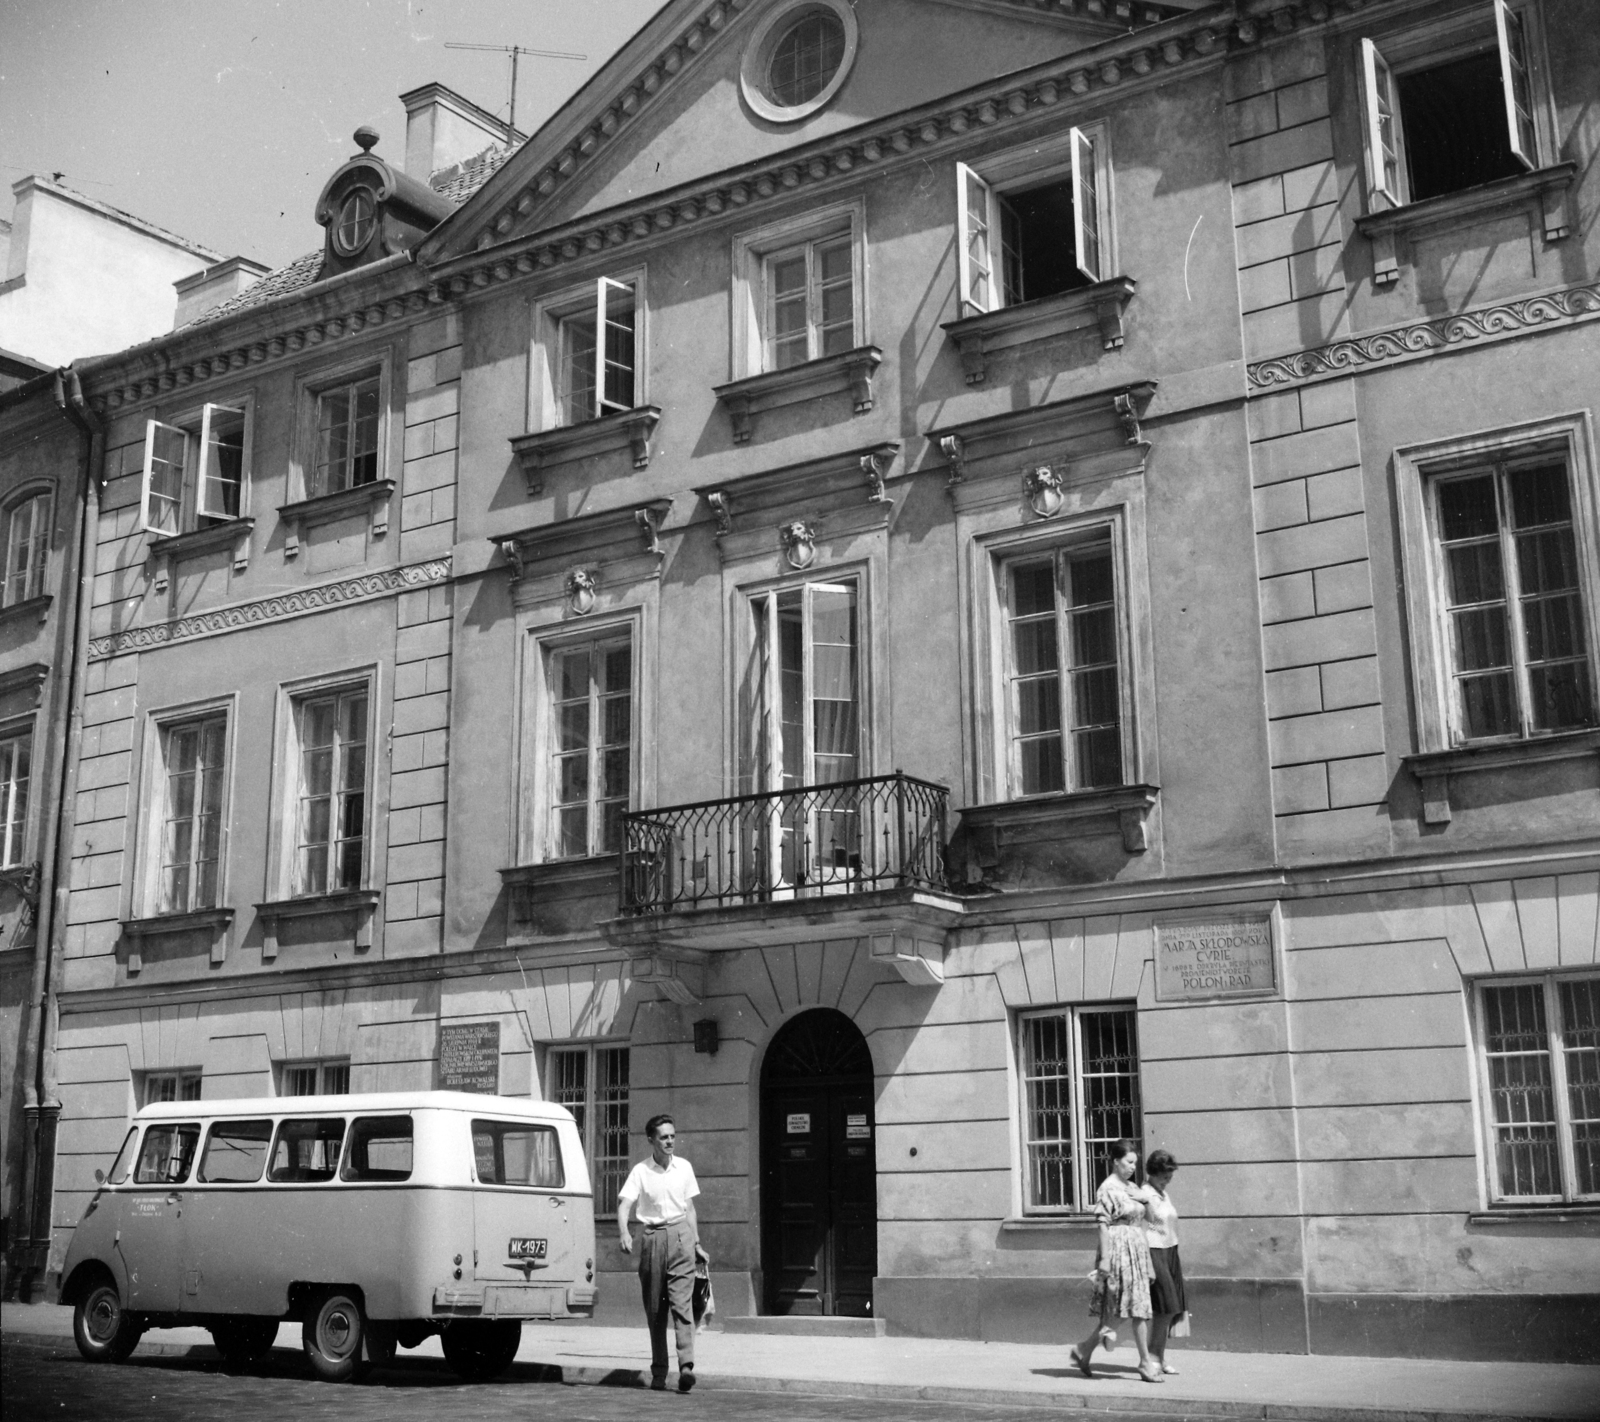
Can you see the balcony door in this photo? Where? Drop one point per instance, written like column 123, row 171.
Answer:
column 806, row 732
column 819, row 1249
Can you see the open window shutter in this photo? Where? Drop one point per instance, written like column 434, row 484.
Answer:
column 1085, row 206
column 1383, row 163
column 612, row 391
column 221, row 465
column 1515, row 80
column 975, row 242
column 166, row 450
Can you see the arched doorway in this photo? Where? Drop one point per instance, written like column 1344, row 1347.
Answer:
column 819, row 1188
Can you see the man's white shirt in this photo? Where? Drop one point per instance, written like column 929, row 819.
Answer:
column 662, row 1193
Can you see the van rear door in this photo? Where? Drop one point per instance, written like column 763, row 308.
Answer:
column 152, row 1226
column 525, row 1243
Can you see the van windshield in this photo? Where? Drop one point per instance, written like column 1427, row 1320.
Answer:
column 379, row 1149
column 235, row 1152
column 517, row 1153
column 119, row 1167
column 167, row 1153
column 307, row 1150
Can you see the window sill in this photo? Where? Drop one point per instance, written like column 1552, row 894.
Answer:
column 1543, row 1214
column 831, row 375
column 373, row 498
column 1128, row 805
column 1434, row 769
column 356, row 903
column 1039, row 1224
column 215, row 921
column 38, row 607
column 559, row 897
column 545, row 449
column 1032, row 322
column 168, row 551
column 29, row 679
column 1548, row 186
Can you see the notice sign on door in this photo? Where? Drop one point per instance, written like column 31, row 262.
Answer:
column 856, row 1128
column 799, row 1123
column 469, row 1057
column 1217, row 958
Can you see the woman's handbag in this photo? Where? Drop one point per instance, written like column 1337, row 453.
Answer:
column 1180, row 1329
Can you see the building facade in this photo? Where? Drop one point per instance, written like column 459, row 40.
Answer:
column 924, row 586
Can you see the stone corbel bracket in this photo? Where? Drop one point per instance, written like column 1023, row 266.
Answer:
column 679, row 973
column 298, row 518
column 850, row 371
column 357, row 905
column 1101, row 305
column 619, row 543
column 920, row 961
column 541, row 451
column 954, row 449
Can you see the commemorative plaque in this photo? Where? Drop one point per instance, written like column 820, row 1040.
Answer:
column 469, row 1057
column 1224, row 957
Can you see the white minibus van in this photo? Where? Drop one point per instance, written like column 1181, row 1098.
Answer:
column 372, row 1220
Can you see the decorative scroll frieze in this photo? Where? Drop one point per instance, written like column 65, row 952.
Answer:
column 1423, row 338
column 383, row 583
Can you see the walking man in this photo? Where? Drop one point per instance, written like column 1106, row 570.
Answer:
column 664, row 1188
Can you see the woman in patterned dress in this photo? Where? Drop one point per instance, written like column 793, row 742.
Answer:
column 1122, row 1270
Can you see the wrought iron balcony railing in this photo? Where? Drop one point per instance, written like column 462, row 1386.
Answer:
column 848, row 837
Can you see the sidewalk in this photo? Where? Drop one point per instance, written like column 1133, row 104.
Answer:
column 1292, row 1387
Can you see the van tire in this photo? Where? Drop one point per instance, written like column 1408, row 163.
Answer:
column 243, row 1341
column 104, row 1331
column 480, row 1350
column 332, row 1336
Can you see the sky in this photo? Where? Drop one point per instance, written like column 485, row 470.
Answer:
column 220, row 120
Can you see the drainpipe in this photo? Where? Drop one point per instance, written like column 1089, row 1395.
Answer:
column 41, row 1097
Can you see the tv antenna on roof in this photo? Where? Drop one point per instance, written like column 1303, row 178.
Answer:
column 514, row 50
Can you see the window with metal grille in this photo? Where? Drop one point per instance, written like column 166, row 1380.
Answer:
column 329, row 1077
column 331, row 801
column 194, row 755
column 1079, row 1074
column 348, row 428
column 27, row 545
column 1539, row 1052
column 591, row 1081
column 171, row 1086
column 16, row 768
column 590, row 772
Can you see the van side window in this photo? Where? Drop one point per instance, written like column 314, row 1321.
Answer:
column 119, row 1167
column 307, row 1150
column 379, row 1149
column 235, row 1152
column 167, row 1154
column 515, row 1153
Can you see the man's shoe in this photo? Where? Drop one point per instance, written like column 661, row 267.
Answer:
column 658, row 1382
column 685, row 1379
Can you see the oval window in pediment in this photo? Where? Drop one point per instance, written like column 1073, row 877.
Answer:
column 798, row 58
column 358, row 219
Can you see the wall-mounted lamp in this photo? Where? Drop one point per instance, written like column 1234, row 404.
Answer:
column 705, row 1036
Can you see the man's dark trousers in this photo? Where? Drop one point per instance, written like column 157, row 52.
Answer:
column 666, row 1279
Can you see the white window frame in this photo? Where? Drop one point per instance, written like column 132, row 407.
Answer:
column 283, row 869
column 1382, row 61
column 311, row 384
column 330, row 1076
column 1561, row 1097
column 546, row 399
column 752, row 253
column 193, row 429
column 347, row 385
column 1081, row 155
column 1087, row 1164
column 39, row 502
column 15, row 819
column 1571, row 437
column 186, row 1082
column 148, row 896
column 607, row 1171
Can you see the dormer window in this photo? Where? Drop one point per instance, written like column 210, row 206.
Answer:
column 358, row 217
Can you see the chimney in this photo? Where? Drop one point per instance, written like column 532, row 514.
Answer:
column 443, row 129
column 209, row 287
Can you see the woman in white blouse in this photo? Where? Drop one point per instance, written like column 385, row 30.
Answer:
column 1167, row 1303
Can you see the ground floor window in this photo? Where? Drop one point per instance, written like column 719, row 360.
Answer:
column 1079, row 1073
column 329, row 1077
column 1539, row 1054
column 170, row 1086
column 591, row 1081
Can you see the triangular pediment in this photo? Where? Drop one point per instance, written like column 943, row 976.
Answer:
column 675, row 104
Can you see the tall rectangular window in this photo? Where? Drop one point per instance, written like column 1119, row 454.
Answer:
column 1539, row 1052
column 810, row 301
column 1517, row 640
column 348, row 431
column 591, row 745
column 595, row 373
column 329, row 1077
column 16, row 767
column 27, row 547
column 1079, row 1076
column 194, row 768
column 592, row 1083
column 194, row 471
column 1063, row 669
column 331, row 791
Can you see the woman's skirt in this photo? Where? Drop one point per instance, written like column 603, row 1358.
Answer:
column 1125, row 1288
column 1166, row 1289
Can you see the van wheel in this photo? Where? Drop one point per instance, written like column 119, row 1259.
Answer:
column 332, row 1336
column 479, row 1351
column 105, row 1332
column 243, row 1341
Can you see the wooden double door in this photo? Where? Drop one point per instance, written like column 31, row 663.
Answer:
column 819, row 1169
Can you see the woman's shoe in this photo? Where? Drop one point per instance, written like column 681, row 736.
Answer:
column 1151, row 1372
column 1108, row 1339
column 1168, row 1369
column 1080, row 1362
